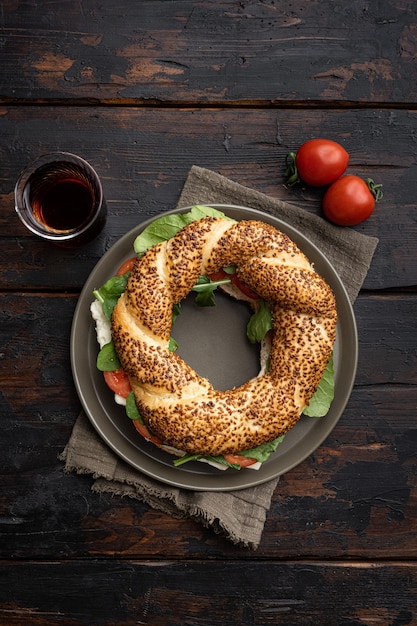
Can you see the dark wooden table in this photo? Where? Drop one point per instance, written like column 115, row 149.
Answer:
column 143, row 90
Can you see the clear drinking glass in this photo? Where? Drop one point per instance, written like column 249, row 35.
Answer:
column 59, row 198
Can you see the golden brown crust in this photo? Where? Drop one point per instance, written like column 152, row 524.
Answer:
column 180, row 406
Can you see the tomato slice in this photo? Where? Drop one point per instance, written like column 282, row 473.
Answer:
column 144, row 431
column 221, row 274
column 127, row 266
column 243, row 288
column 236, row 459
column 118, row 381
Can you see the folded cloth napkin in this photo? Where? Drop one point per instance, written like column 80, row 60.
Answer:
column 238, row 515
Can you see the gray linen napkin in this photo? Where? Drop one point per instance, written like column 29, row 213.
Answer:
column 238, row 515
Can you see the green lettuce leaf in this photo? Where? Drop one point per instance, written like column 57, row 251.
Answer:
column 263, row 452
column 107, row 359
column 172, row 344
column 260, row 322
column 197, row 457
column 205, row 290
column 132, row 410
column 199, row 211
column 320, row 402
column 110, row 292
column 166, row 226
column 176, row 310
column 159, row 230
column 260, row 453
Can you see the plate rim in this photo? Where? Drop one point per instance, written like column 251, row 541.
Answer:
column 225, row 480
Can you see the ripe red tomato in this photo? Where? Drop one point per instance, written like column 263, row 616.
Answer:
column 127, row 266
column 318, row 162
column 118, row 381
column 350, row 200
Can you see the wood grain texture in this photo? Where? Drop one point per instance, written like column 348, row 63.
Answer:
column 207, row 593
column 153, row 150
column 234, row 51
column 356, row 497
column 357, row 494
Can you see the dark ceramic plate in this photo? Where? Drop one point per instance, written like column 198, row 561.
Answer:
column 211, row 341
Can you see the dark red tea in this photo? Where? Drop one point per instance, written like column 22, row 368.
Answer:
column 59, row 198
column 64, row 206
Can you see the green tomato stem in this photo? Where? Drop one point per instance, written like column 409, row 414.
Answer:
column 291, row 172
column 376, row 190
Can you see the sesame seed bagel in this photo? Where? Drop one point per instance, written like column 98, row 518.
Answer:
column 181, row 407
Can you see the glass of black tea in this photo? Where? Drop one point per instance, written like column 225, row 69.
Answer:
column 59, row 197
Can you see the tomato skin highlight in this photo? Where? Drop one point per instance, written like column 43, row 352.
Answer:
column 320, row 162
column 348, row 201
column 118, row 382
column 127, row 266
column 236, row 459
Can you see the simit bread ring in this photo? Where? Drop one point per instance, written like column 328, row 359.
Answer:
column 181, row 407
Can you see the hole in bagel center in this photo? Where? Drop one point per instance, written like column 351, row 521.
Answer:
column 213, row 341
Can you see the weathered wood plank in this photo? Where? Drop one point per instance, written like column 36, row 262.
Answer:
column 357, row 493
column 387, row 333
column 210, row 52
column 207, row 593
column 355, row 496
column 152, row 151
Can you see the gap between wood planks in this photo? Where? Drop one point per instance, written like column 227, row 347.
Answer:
column 212, row 105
